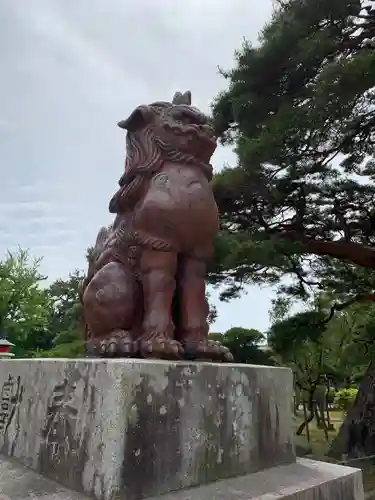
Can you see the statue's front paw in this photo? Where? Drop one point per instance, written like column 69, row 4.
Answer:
column 119, row 344
column 207, row 350
column 161, row 347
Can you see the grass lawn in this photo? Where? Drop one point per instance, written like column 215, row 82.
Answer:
column 319, row 447
column 318, row 442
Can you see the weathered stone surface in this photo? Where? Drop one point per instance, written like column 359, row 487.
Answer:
column 304, row 480
column 139, row 427
column 17, row 482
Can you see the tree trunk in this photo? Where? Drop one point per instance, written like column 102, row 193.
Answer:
column 356, row 437
column 356, row 253
column 310, row 417
column 319, row 422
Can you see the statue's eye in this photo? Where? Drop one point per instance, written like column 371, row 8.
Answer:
column 187, row 116
column 188, row 120
column 179, row 117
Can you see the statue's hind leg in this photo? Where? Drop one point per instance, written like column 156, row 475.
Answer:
column 193, row 313
column 158, row 276
column 109, row 310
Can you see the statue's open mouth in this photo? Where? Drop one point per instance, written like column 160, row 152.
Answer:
column 211, row 138
column 203, row 133
column 192, row 122
column 206, row 135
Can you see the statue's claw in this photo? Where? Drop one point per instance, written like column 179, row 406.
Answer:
column 224, row 353
column 207, row 350
column 119, row 344
column 161, row 347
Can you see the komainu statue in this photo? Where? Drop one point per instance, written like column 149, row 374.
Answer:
column 144, row 293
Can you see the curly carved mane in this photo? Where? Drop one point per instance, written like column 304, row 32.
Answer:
column 145, row 154
column 143, row 160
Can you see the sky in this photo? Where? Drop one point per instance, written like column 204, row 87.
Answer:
column 70, row 70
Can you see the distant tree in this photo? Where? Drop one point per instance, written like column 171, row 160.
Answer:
column 355, row 435
column 299, row 344
column 318, row 352
column 24, row 304
column 65, row 319
column 66, row 311
column 244, row 345
column 73, row 349
column 299, row 111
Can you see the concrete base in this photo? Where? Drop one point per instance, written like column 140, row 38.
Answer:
column 17, row 482
column 304, row 480
column 142, row 427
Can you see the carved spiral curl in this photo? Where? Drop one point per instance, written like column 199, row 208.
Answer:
column 143, row 160
column 145, row 153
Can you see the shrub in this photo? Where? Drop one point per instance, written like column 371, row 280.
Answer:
column 345, row 398
column 68, row 350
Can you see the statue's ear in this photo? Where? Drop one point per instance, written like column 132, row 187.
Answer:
column 179, row 98
column 186, row 98
column 141, row 116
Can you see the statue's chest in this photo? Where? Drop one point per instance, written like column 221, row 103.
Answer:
column 176, row 178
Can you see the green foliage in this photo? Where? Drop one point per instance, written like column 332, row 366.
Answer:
column 244, row 344
column 66, row 311
column 74, row 349
column 36, row 339
column 299, row 111
column 67, row 336
column 345, row 398
column 351, row 334
column 65, row 321
column 212, row 310
column 36, row 318
column 303, row 353
column 288, row 334
column 339, row 351
column 24, row 305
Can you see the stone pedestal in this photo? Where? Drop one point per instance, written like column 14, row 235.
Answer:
column 303, row 480
column 142, row 428
column 130, row 429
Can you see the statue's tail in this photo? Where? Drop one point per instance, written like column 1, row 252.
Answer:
column 81, row 289
column 93, row 255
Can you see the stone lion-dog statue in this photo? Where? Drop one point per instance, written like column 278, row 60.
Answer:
column 144, row 293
